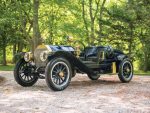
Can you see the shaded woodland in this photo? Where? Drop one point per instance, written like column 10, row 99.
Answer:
column 123, row 24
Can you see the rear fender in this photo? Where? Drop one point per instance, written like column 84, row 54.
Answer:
column 120, row 58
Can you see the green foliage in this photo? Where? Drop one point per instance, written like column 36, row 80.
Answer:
column 122, row 24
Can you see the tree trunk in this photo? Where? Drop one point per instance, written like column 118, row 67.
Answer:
column 20, row 47
column 145, row 68
column 4, row 56
column 145, row 50
column 85, row 22
column 92, row 36
column 131, row 38
column 4, row 51
column 100, row 18
column 92, row 33
column 14, row 52
column 14, row 49
column 36, row 32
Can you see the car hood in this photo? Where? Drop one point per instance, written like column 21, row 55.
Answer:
column 61, row 48
column 55, row 48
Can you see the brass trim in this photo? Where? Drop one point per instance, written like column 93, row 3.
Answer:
column 113, row 67
column 41, row 46
column 103, row 55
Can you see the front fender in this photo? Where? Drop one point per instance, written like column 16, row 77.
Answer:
column 74, row 61
column 18, row 56
column 64, row 54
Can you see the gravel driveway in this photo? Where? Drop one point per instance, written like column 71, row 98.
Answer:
column 107, row 94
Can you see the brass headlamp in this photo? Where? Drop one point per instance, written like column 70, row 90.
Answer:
column 28, row 56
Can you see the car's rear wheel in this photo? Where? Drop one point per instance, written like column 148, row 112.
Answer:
column 95, row 77
column 23, row 73
column 58, row 74
column 125, row 71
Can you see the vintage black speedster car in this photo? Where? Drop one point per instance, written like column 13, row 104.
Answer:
column 57, row 64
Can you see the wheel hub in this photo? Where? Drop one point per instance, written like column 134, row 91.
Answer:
column 128, row 70
column 61, row 74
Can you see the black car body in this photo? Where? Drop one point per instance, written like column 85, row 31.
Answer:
column 58, row 64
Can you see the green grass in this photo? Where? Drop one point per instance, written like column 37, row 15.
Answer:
column 140, row 72
column 9, row 67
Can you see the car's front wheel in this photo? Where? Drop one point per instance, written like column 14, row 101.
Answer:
column 23, row 73
column 125, row 71
column 58, row 74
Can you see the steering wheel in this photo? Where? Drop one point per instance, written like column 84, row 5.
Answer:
column 110, row 52
column 79, row 47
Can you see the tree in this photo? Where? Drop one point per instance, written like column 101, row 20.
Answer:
column 36, row 31
column 100, row 20
column 122, row 24
column 7, row 26
column 142, row 32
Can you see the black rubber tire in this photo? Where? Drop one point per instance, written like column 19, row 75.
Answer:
column 17, row 76
column 96, row 77
column 48, row 75
column 73, row 72
column 121, row 74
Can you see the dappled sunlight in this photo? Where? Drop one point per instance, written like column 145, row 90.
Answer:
column 75, row 56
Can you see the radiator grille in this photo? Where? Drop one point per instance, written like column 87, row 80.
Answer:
column 37, row 59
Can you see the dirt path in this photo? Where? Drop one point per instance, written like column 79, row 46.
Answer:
column 82, row 96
